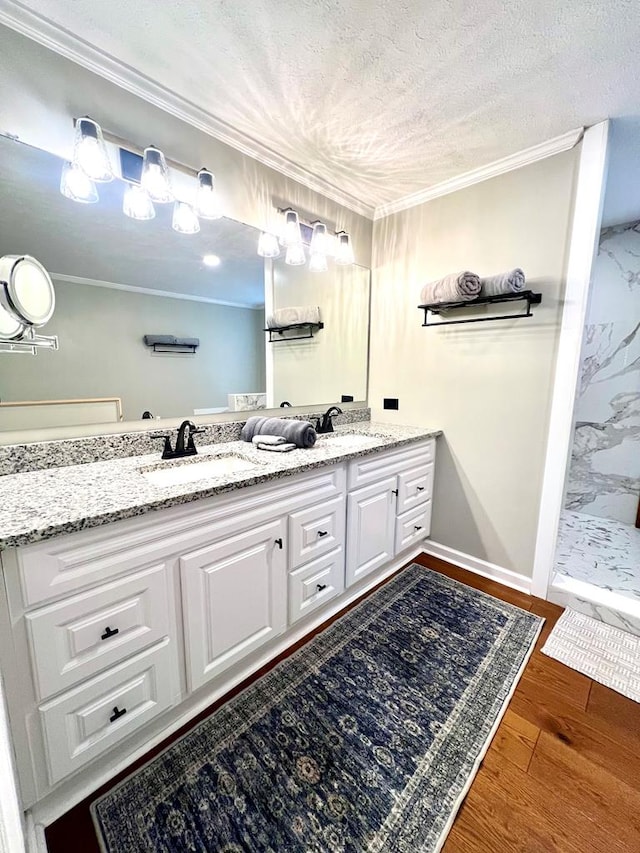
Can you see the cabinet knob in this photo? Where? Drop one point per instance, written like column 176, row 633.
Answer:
column 109, row 632
column 417, row 527
column 321, row 586
column 419, row 488
column 116, row 714
column 279, row 543
column 323, row 532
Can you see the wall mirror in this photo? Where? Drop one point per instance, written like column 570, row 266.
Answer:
column 118, row 280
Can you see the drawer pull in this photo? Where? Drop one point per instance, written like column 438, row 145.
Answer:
column 279, row 543
column 117, row 714
column 109, row 632
column 394, row 492
column 417, row 527
column 419, row 488
column 321, row 586
column 323, row 532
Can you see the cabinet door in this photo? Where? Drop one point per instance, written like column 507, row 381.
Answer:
column 370, row 528
column 234, row 598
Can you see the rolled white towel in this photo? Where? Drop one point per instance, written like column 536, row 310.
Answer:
column 506, row 282
column 457, row 287
column 295, row 314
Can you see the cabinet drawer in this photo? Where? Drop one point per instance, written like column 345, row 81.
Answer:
column 80, row 636
column 415, row 486
column 412, row 526
column 316, row 531
column 84, row 722
column 376, row 466
column 314, row 584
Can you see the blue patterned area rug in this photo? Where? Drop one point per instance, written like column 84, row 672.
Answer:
column 366, row 739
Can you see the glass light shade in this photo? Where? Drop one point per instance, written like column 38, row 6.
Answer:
column 295, row 256
column 90, row 152
column 319, row 242
column 137, row 204
column 291, row 235
column 268, row 245
column 344, row 249
column 26, row 290
column 155, row 176
column 318, row 263
column 207, row 201
column 77, row 185
column 184, row 219
column 211, row 261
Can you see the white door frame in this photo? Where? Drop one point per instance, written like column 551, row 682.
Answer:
column 583, row 247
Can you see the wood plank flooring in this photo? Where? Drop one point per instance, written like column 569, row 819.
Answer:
column 562, row 773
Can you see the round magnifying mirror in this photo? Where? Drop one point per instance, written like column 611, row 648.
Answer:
column 26, row 289
column 10, row 327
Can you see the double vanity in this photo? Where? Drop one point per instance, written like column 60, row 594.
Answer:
column 138, row 591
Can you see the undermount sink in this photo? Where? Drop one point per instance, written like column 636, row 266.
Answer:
column 189, row 470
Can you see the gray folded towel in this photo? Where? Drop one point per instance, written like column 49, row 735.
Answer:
column 296, row 314
column 269, row 439
column 456, row 287
column 506, row 282
column 300, row 433
column 279, row 448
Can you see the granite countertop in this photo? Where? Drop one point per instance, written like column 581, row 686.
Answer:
column 42, row 504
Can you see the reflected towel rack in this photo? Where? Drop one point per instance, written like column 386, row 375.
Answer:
column 437, row 308
column 311, row 328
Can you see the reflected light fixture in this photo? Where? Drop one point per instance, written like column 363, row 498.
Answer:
column 90, row 152
column 318, row 263
column 77, row 185
column 295, row 255
column 344, row 250
column 268, row 245
column 137, row 204
column 207, row 201
column 291, row 234
column 184, row 219
column 211, row 261
column 155, row 176
column 319, row 241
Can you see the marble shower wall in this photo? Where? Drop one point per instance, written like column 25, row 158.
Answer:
column 604, row 475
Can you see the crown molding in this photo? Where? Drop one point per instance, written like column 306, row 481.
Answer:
column 148, row 291
column 40, row 29
column 491, row 170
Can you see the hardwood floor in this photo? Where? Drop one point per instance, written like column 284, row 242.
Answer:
column 562, row 772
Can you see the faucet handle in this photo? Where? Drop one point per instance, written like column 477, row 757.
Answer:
column 167, row 450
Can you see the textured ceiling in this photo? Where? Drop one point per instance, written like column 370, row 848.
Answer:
column 381, row 98
column 98, row 242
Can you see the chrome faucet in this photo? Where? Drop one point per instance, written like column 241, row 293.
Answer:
column 327, row 424
column 187, row 428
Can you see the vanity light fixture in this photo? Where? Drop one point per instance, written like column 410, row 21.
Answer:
column 291, row 234
column 90, row 152
column 77, row 185
column 319, row 242
column 318, row 263
column 268, row 246
column 184, row 219
column 137, row 204
column 211, row 261
column 295, row 256
column 207, row 201
column 344, row 250
column 155, row 176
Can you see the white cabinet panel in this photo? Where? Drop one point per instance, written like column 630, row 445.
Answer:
column 412, row 526
column 82, row 723
column 234, row 598
column 80, row 636
column 314, row 584
column 316, row 531
column 415, row 486
column 370, row 528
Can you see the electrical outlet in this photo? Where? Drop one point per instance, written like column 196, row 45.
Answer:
column 390, row 403
column 346, row 398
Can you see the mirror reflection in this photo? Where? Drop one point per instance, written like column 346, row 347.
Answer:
column 120, row 281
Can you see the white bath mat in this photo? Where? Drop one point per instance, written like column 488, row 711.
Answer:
column 600, row 651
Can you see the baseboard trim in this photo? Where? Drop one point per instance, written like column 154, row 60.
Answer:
column 479, row 567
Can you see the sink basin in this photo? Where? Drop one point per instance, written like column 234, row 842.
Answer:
column 190, row 471
column 349, row 439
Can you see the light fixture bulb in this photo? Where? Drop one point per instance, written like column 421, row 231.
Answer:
column 137, row 204
column 344, row 249
column 295, row 256
column 90, row 152
column 155, row 176
column 211, row 261
column 76, row 185
column 291, row 235
column 318, row 262
column 207, row 201
column 319, row 242
column 268, row 245
column 184, row 219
